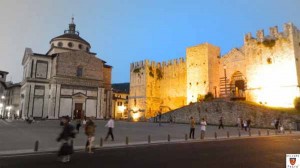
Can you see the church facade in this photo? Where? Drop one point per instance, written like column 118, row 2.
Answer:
column 67, row 80
column 265, row 70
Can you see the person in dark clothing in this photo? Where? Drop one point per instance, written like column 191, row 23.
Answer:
column 65, row 137
column 78, row 125
column 192, row 128
column 277, row 124
column 159, row 118
column 248, row 124
column 221, row 123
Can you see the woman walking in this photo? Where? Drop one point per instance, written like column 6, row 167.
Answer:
column 90, row 133
column 203, row 128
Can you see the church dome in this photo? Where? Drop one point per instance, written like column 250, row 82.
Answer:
column 70, row 40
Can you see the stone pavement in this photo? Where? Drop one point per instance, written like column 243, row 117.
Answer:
column 19, row 137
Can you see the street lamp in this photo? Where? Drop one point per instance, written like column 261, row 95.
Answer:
column 225, row 79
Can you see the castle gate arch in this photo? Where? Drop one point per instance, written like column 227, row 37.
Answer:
column 238, row 85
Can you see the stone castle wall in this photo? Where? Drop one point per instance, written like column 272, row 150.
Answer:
column 264, row 70
column 271, row 67
column 260, row 116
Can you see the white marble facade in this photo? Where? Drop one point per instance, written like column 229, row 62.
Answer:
column 67, row 80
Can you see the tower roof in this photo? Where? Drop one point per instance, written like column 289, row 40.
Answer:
column 71, row 33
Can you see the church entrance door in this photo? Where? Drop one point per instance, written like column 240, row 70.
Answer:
column 78, row 111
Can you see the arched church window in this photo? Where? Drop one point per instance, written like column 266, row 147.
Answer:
column 87, row 49
column 79, row 72
column 60, row 44
column 70, row 44
column 80, row 46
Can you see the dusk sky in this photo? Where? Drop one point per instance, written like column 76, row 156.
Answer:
column 126, row 31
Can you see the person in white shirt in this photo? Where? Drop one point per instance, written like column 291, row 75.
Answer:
column 110, row 124
column 203, row 128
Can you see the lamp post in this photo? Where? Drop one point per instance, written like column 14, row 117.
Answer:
column 225, row 79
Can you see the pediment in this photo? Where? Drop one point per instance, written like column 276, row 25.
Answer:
column 79, row 95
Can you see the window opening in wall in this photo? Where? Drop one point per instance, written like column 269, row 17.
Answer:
column 70, row 44
column 79, row 71
column 269, row 60
column 79, row 46
column 60, row 44
column 87, row 49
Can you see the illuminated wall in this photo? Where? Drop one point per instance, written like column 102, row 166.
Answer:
column 268, row 66
column 271, row 67
column 202, row 70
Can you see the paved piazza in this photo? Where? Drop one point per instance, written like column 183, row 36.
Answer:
column 18, row 136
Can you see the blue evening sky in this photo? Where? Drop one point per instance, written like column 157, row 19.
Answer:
column 125, row 31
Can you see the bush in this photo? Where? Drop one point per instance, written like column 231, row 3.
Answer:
column 208, row 97
column 297, row 103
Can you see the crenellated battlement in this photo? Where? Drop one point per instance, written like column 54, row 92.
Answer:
column 153, row 64
column 139, row 64
column 288, row 29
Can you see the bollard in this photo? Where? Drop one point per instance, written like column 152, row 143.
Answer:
column 268, row 133
column 216, row 136
column 169, row 138
column 186, row 137
column 101, row 142
column 227, row 134
column 149, row 139
column 258, row 132
column 249, row 133
column 36, row 146
column 127, row 140
column 290, row 131
column 239, row 133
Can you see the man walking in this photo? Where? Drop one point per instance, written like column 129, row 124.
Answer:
column 159, row 118
column 90, row 133
column 110, row 124
column 221, row 123
column 192, row 129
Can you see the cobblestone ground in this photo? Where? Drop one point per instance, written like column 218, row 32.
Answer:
column 18, row 135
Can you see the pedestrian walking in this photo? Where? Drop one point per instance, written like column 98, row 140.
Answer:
column 110, row 124
column 221, row 123
column 192, row 129
column 248, row 124
column 78, row 125
column 66, row 137
column 203, row 128
column 245, row 125
column 90, row 133
column 277, row 124
column 159, row 118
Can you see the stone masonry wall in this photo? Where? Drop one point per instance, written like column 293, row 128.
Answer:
column 260, row 116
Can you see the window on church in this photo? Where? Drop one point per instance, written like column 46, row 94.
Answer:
column 79, row 72
column 70, row 44
column 80, row 46
column 87, row 49
column 60, row 44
